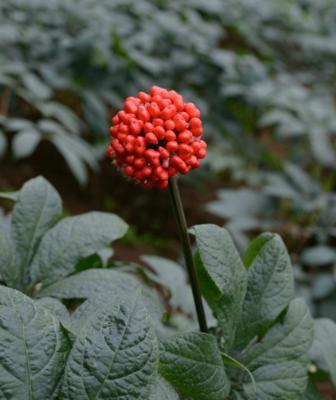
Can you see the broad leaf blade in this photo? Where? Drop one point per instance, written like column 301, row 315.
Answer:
column 323, row 350
column 37, row 210
column 270, row 286
column 192, row 362
column 222, row 276
column 114, row 357
column 162, row 390
column 71, row 240
column 56, row 308
column 278, row 362
column 90, row 283
column 33, row 348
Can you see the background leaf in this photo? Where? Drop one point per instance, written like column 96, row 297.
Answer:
column 25, row 143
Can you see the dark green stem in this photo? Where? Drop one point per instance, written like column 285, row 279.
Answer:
column 188, row 256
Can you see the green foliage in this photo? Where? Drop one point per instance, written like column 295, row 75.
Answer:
column 114, row 343
column 195, row 357
column 34, row 348
column 222, row 276
column 40, row 250
column 63, row 65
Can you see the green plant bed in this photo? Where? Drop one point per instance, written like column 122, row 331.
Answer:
column 120, row 343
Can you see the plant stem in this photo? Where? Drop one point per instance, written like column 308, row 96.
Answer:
column 188, row 256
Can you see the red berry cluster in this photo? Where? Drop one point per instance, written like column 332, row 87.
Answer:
column 155, row 136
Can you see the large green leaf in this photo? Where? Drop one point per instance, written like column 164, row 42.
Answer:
column 37, row 210
column 90, row 283
column 71, row 240
column 33, row 348
column 101, row 287
column 222, row 276
column 114, row 357
column 270, row 286
column 278, row 362
column 323, row 350
column 162, row 390
column 192, row 362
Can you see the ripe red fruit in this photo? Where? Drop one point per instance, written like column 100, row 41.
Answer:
column 156, row 135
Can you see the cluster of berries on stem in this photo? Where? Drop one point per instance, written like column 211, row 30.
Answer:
column 156, row 136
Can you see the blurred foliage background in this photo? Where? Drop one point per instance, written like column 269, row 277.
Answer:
column 263, row 73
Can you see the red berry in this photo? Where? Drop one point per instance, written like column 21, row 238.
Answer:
column 170, row 136
column 146, row 172
column 154, row 110
column 115, row 120
column 168, row 112
column 129, row 171
column 185, row 137
column 158, row 122
column 144, row 97
column 143, row 114
column 151, row 138
column 164, row 153
column 148, row 127
column 172, row 146
column 139, row 163
column 192, row 110
column 130, row 107
column 169, row 124
column 159, row 132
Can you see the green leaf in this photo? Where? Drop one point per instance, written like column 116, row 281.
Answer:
column 270, row 286
column 278, row 361
column 36, row 86
column 33, row 348
column 162, row 390
column 192, row 362
column 71, row 240
column 13, row 196
column 173, row 277
column 64, row 114
column 74, row 162
column 114, row 357
column 90, row 283
column 7, row 259
column 323, row 350
column 222, row 276
column 255, row 247
column 37, row 210
column 57, row 309
column 311, row 393
column 25, row 142
column 228, row 360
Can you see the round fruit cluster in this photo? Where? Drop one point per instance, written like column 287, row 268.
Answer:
column 156, row 136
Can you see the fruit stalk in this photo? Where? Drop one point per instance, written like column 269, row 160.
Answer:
column 188, row 256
